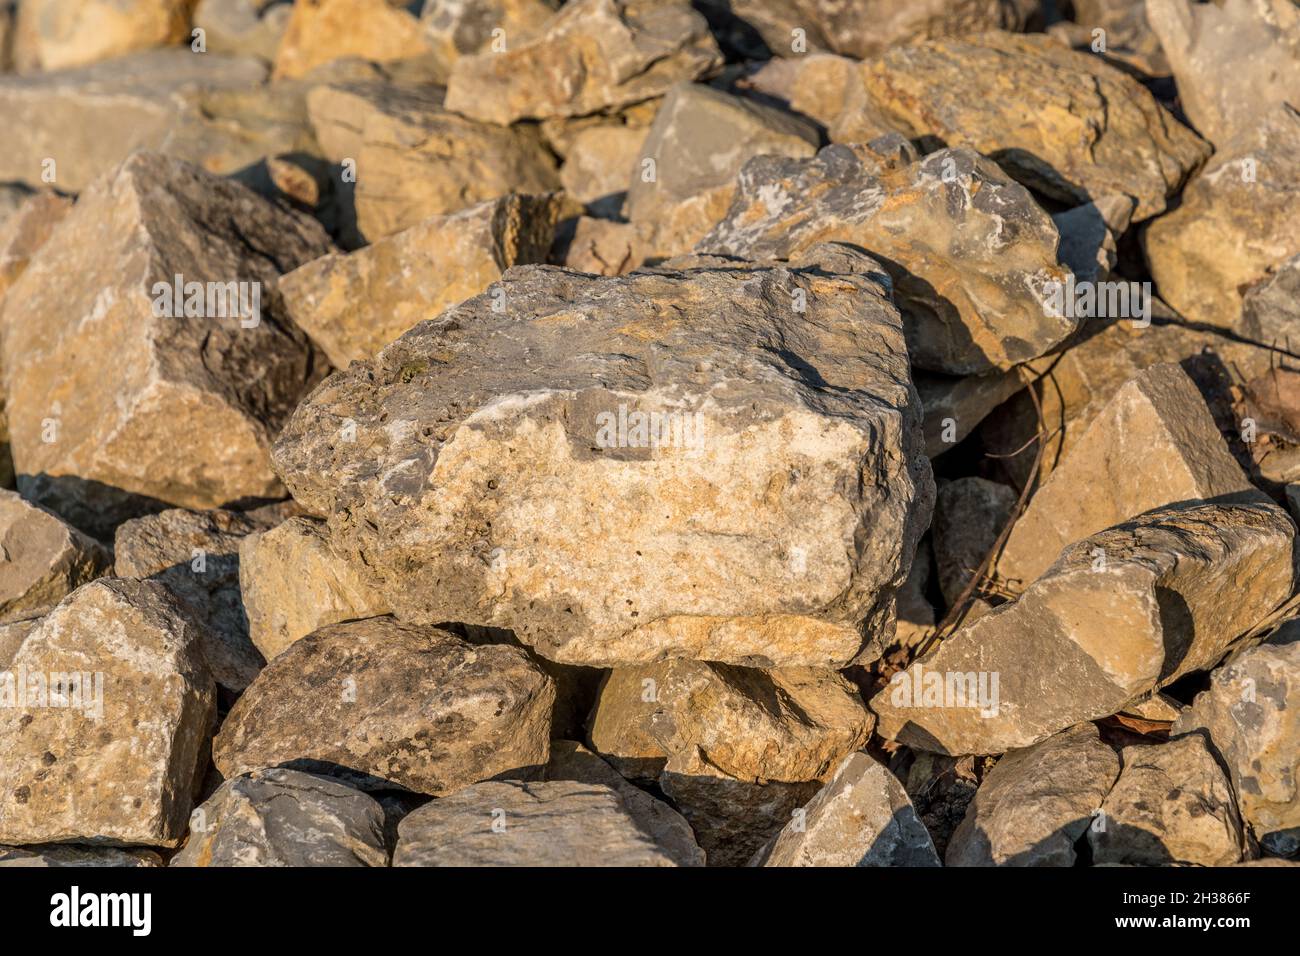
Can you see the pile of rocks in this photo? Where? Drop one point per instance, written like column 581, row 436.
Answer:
column 629, row 432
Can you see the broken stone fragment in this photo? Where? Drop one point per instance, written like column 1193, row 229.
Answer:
column 593, row 56
column 61, row 34
column 955, row 405
column 455, row 28
column 562, row 401
column 599, row 163
column 384, row 705
column 243, row 27
column 1090, row 234
column 570, row 760
column 1130, row 609
column 1153, row 444
column 108, row 710
column 1270, row 311
column 513, row 823
column 292, row 583
column 1171, row 804
column 64, row 855
column 1249, row 713
column 352, row 305
column 1235, row 222
column 1036, row 803
column 319, row 31
column 971, row 254
column 862, row 817
column 1063, row 123
column 147, row 344
column 412, row 159
column 282, row 817
column 196, row 554
column 969, row 514
column 1234, row 61
column 42, row 560
column 684, row 179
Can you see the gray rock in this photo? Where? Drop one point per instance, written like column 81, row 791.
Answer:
column 1270, row 311
column 969, row 514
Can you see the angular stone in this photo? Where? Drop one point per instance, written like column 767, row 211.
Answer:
column 62, row 34
column 25, row 231
column 1158, row 427
column 456, row 28
column 319, row 31
column 700, row 139
column 970, row 252
column 862, row 817
column 570, row 760
column 353, row 305
column 1119, row 614
column 593, row 56
column 1090, row 235
column 90, row 120
column 113, row 408
column 385, row 705
column 969, row 514
column 599, row 164
column 44, row 560
column 1033, row 807
column 1129, row 42
column 196, row 554
column 114, row 754
column 1063, row 123
column 281, row 817
column 955, row 405
column 293, row 583
column 1270, row 311
column 1235, row 223
column 1171, row 804
column 415, row 160
column 484, row 439
column 1234, row 62
column 62, row 855
column 243, row 27
column 512, row 823
column 1254, row 727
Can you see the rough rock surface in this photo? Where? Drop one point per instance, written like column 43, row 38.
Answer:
column 114, row 408
column 42, row 560
column 969, row 514
column 113, row 751
column 282, row 817
column 1270, row 311
column 484, row 438
column 353, row 305
column 862, row 817
column 970, row 252
column 457, row 28
column 25, row 231
column 319, row 31
column 196, row 554
column 513, row 823
column 1171, row 804
column 1252, row 727
column 385, row 705
column 593, row 56
column 598, row 166
column 1036, row 803
column 65, row 855
column 59, row 34
column 1127, row 610
column 1234, row 224
column 292, row 582
column 1065, row 123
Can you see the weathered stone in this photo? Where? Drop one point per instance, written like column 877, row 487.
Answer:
column 63, row 855
column 282, row 817
column 1119, row 614
column 196, row 554
column 457, row 28
column 1270, row 311
column 570, row 760
column 1235, row 223
column 1234, row 61
column 44, row 560
column 969, row 514
column 121, row 393
column 89, row 120
column 415, row 160
column 603, row 247
column 955, row 405
column 485, row 438
column 61, row 34
column 1090, row 235
column 1153, row 444
column 593, row 56
column 12, row 636
column 1036, row 803
column 1064, row 123
column 25, row 231
column 970, row 252
column 293, row 583
column 685, row 176
column 243, row 27
column 1250, row 715
column 862, row 817
column 353, row 305
column 1171, row 804
column 113, row 750
column 598, row 167
column 1126, row 38
column 319, row 31
column 385, row 705
column 512, row 823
